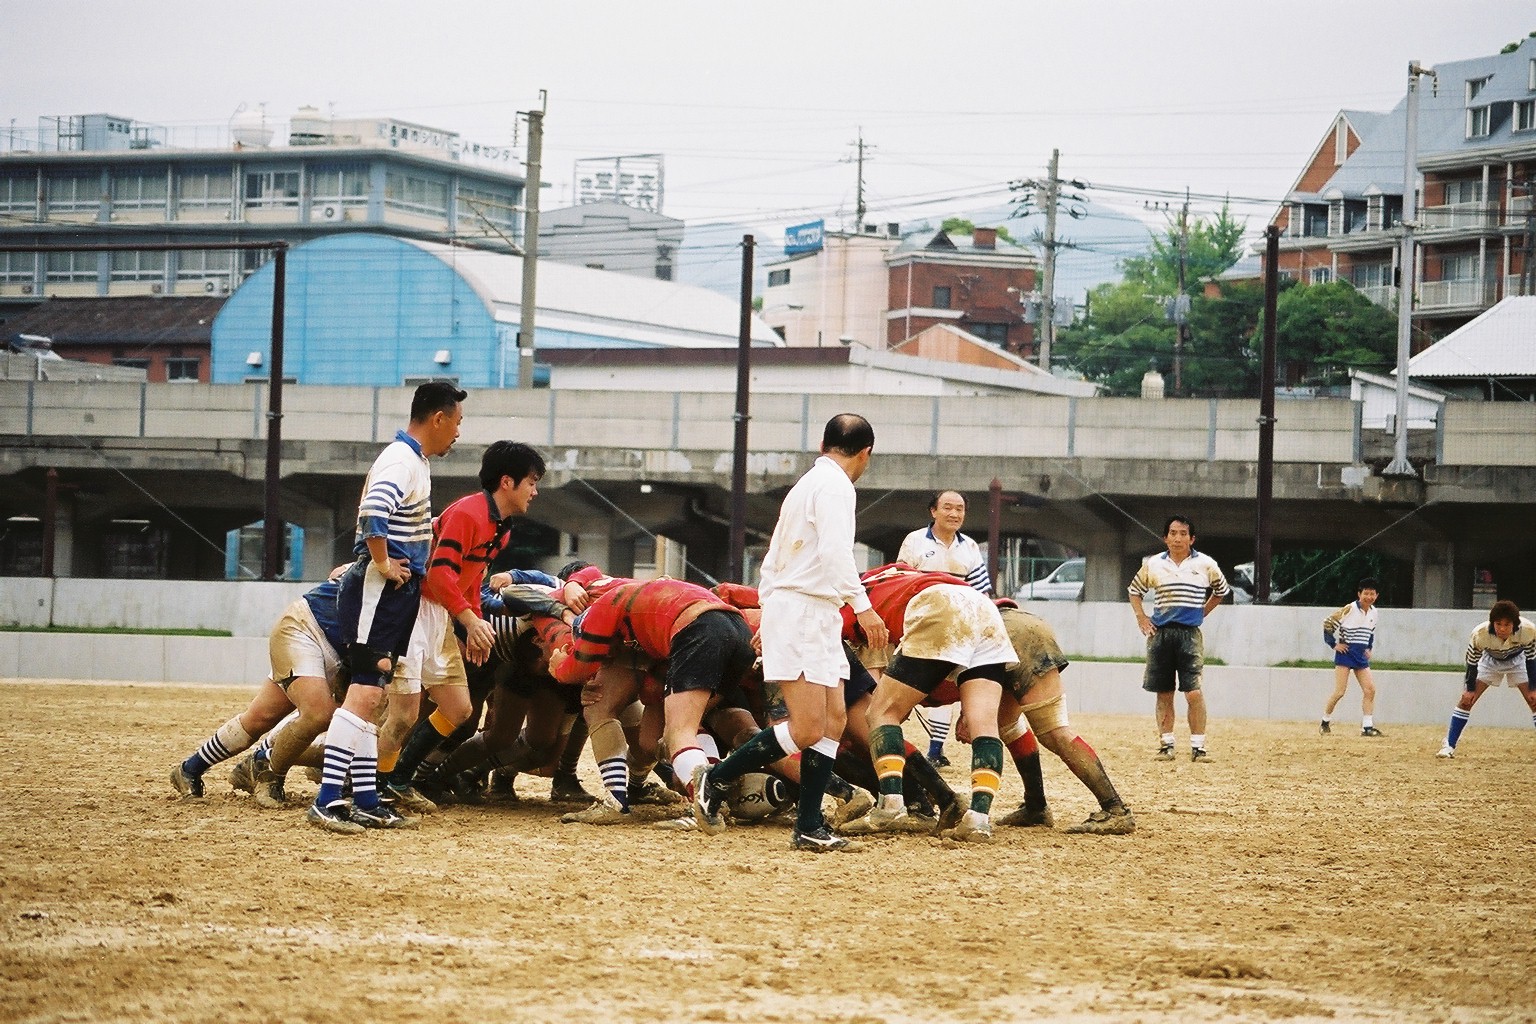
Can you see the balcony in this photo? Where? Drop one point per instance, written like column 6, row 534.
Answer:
column 1519, row 206
column 1457, row 217
column 1384, row 295
column 1514, row 284
column 1455, row 294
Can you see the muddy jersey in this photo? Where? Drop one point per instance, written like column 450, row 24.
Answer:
column 890, row 588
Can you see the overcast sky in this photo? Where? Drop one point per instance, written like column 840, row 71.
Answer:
column 756, row 106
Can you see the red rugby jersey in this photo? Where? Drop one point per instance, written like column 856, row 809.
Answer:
column 643, row 615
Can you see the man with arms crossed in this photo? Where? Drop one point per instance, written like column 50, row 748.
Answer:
column 1185, row 586
column 808, row 575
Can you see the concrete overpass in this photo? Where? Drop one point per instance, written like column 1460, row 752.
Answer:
column 1098, row 474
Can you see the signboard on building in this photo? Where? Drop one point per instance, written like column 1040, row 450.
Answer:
column 803, row 238
column 634, row 180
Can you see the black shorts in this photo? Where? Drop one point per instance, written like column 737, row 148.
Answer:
column 860, row 683
column 925, row 674
column 712, row 652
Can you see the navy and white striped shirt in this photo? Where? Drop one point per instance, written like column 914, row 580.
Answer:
column 962, row 557
column 1179, row 590
column 397, row 503
column 1353, row 625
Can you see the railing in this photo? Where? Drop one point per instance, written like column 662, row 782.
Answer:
column 1514, row 213
column 1381, row 294
column 1514, row 284
column 1433, row 294
column 1457, row 216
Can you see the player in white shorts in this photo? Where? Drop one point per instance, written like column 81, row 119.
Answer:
column 1500, row 652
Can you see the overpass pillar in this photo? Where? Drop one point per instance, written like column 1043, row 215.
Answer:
column 1436, row 570
column 323, row 549
column 1110, row 566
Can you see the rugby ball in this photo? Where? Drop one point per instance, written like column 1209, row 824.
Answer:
column 757, row 795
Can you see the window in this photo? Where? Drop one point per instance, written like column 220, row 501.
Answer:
column 1354, row 215
column 1475, row 87
column 1340, row 143
column 1525, row 115
column 74, row 192
column 139, row 190
column 131, row 364
column 1458, row 267
column 182, row 368
column 1320, row 275
column 1315, row 220
column 485, row 211
column 18, row 195
column 778, row 277
column 271, row 189
column 1478, row 122
column 1371, row 275
column 1392, row 211
column 335, row 189
column 138, row 266
column 76, row 267
column 18, row 267
column 996, row 334
column 1470, row 191
column 1530, row 75
column 204, row 264
column 941, row 296
column 418, row 195
column 210, row 188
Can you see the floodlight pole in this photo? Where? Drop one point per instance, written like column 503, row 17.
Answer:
column 1400, row 466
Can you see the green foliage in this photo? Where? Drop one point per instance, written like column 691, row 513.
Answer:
column 1215, row 244
column 1328, row 576
column 961, row 226
column 1322, row 330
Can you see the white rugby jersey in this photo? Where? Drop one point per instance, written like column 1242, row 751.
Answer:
column 1351, row 624
column 962, row 557
column 1179, row 589
column 1521, row 643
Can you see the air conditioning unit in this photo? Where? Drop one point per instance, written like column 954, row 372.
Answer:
column 328, row 212
column 210, row 286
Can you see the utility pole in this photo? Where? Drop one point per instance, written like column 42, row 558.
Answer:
column 1262, row 533
column 1181, row 321
column 736, row 557
column 1400, row 466
column 530, row 244
column 1528, row 251
column 1048, row 285
column 858, row 207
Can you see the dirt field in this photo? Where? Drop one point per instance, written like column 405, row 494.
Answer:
column 1298, row 878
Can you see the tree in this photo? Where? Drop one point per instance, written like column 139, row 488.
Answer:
column 1215, row 244
column 961, row 226
column 1323, row 330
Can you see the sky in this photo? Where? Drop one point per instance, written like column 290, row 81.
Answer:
column 756, row 108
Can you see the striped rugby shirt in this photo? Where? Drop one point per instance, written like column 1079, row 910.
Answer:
column 1353, row 625
column 1521, row 644
column 1179, row 590
column 963, row 557
column 397, row 503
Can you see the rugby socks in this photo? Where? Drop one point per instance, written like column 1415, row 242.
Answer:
column 285, row 746
column 925, row 778
column 937, row 720
column 986, row 771
column 685, row 761
column 838, row 788
column 889, row 750
column 1025, row 751
column 365, row 770
column 1367, row 721
column 1083, row 761
column 1197, row 742
column 230, row 739
column 1459, row 719
column 425, row 737
column 755, row 755
column 342, row 742
column 815, row 768
column 612, row 752
column 575, row 743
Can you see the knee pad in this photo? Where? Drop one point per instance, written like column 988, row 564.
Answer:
column 363, row 659
column 1047, row 715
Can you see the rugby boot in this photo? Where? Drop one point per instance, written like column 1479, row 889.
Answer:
column 686, row 824
column 1325, row 727
column 1199, row 756
column 383, row 816
column 336, row 818
column 1024, row 817
column 189, row 786
column 708, row 802
column 949, row 816
column 1116, row 822
column 567, row 789
column 242, row 777
column 1164, row 752
column 654, row 794
column 853, row 807
column 1447, row 751
column 600, row 813
column 973, row 828
column 1371, row 730
column 268, row 792
column 409, row 797
column 822, row 841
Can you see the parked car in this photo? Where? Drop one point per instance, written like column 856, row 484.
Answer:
column 1064, row 583
column 1243, row 585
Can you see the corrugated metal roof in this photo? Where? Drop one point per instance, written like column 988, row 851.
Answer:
column 579, row 299
column 1499, row 343
column 141, row 320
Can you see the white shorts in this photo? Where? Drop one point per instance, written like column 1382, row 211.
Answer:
column 433, row 657
column 298, row 647
column 802, row 636
column 1501, row 673
column 953, row 623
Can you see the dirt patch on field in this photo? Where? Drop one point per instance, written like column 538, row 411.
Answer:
column 1297, row 878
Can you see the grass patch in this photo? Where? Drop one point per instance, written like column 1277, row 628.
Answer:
column 11, row 627
column 1131, row 659
column 1380, row 666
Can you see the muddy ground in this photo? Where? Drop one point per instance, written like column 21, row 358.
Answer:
column 1297, row 878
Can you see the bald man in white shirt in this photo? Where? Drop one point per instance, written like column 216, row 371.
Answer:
column 808, row 575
